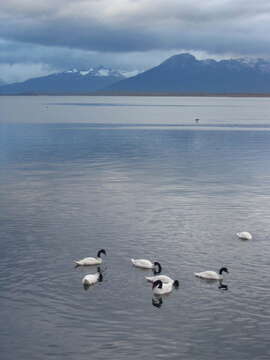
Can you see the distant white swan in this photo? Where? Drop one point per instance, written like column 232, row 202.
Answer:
column 147, row 264
column 91, row 260
column 91, row 279
column 212, row 275
column 244, row 235
column 160, row 288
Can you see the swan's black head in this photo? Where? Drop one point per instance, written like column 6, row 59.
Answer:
column 157, row 283
column 176, row 284
column 158, row 266
column 223, row 269
column 102, row 251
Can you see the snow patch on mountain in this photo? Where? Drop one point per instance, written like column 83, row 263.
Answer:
column 72, row 71
column 128, row 74
column 86, row 72
column 102, row 71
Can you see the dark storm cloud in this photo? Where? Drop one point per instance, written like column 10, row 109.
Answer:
column 138, row 25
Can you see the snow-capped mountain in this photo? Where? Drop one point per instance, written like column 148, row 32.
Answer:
column 102, row 71
column 75, row 81
column 182, row 74
column 185, row 74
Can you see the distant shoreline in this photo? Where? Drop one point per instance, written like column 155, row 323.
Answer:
column 146, row 94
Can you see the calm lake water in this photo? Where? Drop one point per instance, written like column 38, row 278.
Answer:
column 140, row 178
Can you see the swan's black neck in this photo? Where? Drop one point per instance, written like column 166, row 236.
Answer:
column 100, row 278
column 159, row 268
column 223, row 269
column 102, row 251
column 157, row 283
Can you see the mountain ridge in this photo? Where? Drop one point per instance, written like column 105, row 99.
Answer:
column 183, row 73
column 179, row 74
column 69, row 81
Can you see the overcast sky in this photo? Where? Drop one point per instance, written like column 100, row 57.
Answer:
column 42, row 36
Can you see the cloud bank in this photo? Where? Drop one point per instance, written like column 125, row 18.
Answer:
column 101, row 29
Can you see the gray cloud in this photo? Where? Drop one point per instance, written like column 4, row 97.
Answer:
column 141, row 32
column 138, row 25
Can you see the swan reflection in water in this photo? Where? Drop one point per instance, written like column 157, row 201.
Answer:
column 157, row 301
column 222, row 286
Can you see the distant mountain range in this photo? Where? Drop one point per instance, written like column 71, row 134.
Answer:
column 180, row 74
column 185, row 74
column 69, row 82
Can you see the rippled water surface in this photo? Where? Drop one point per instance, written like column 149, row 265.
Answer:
column 140, row 178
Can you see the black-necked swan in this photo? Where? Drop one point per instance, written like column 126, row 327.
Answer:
column 147, row 264
column 91, row 260
column 163, row 278
column 160, row 288
column 91, row 279
column 244, row 235
column 212, row 275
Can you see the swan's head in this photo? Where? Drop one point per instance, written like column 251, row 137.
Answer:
column 176, row 284
column 157, row 268
column 157, row 283
column 102, row 251
column 223, row 269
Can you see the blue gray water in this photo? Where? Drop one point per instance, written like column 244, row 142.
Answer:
column 140, row 178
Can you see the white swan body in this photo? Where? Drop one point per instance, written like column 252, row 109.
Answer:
column 164, row 278
column 160, row 288
column 211, row 275
column 91, row 260
column 91, row 279
column 244, row 235
column 147, row 264
column 142, row 263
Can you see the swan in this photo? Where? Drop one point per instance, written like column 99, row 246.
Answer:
column 160, row 288
column 91, row 260
column 147, row 264
column 244, row 235
column 91, row 279
column 212, row 275
column 164, row 278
